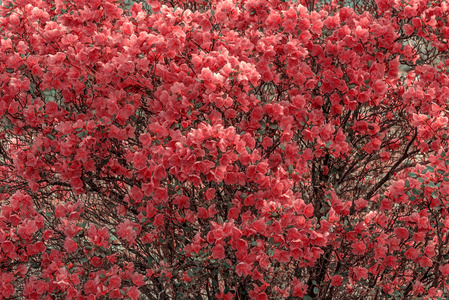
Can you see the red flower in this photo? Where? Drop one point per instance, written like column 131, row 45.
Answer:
column 336, row 280
column 133, row 293
column 243, row 269
column 218, row 252
column 138, row 279
column 299, row 289
column 358, row 248
column 390, row 261
column 360, row 272
column 444, row 269
column 70, row 245
column 8, row 290
column 139, row 160
column 210, row 194
column 127, row 231
column 401, row 233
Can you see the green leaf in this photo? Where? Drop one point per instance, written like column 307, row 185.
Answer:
column 316, row 290
column 83, row 225
column 412, row 175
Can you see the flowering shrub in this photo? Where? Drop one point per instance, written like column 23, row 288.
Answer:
column 224, row 149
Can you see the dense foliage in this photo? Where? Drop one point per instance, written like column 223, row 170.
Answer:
column 224, row 149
